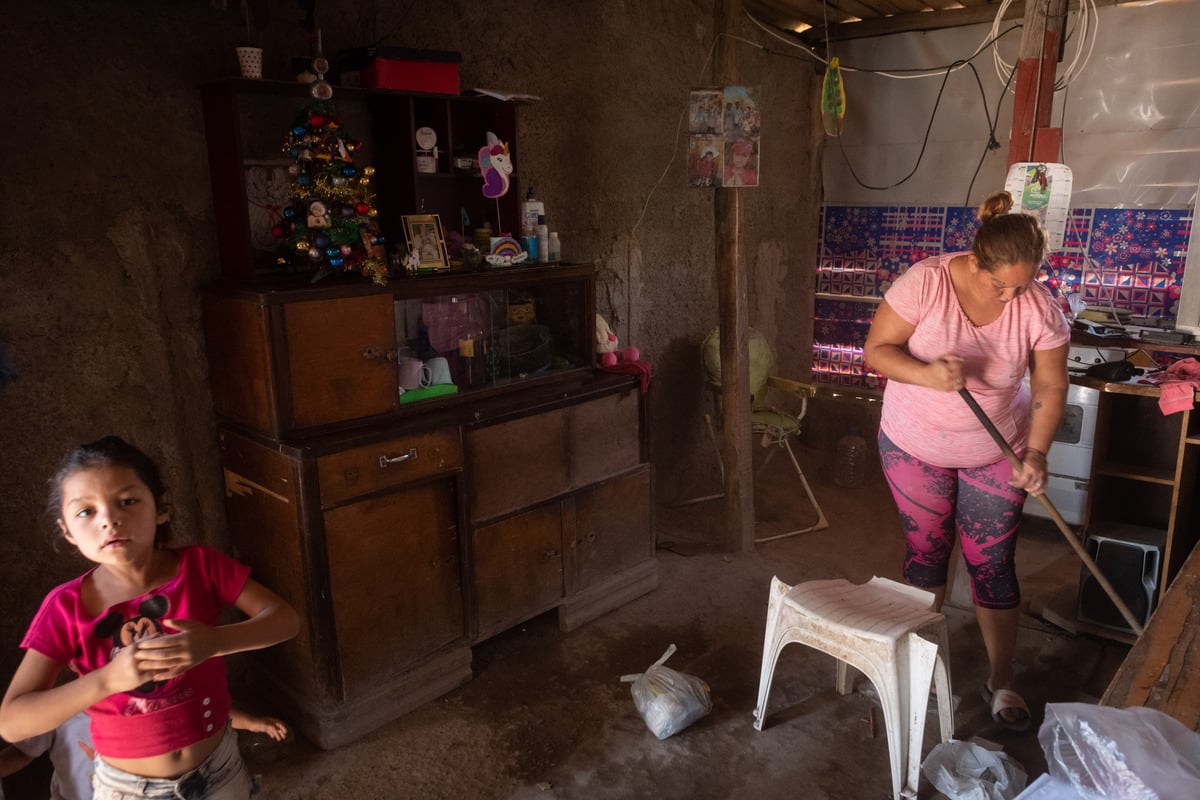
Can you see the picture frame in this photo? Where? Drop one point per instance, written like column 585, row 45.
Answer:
column 268, row 188
column 423, row 235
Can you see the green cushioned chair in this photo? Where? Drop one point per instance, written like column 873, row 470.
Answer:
column 775, row 426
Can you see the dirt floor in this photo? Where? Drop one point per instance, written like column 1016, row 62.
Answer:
column 546, row 715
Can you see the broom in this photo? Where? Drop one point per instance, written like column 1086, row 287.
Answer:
column 1071, row 538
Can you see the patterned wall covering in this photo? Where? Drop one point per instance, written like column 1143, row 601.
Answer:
column 1126, row 258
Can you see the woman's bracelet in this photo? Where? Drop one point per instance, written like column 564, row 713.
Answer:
column 1032, row 451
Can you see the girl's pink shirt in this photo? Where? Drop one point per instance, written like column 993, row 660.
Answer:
column 938, row 427
column 160, row 717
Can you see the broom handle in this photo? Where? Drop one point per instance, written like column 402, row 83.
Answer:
column 1071, row 538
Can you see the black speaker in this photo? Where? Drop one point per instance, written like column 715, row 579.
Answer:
column 1131, row 561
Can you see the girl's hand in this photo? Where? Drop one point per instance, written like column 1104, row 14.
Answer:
column 1031, row 476
column 125, row 672
column 169, row 655
column 945, row 374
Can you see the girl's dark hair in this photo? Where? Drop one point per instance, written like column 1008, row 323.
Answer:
column 111, row 451
column 1005, row 238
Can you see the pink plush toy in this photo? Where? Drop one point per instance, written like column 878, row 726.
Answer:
column 606, row 343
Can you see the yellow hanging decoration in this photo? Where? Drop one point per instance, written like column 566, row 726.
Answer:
column 833, row 99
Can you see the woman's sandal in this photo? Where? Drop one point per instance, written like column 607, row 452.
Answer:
column 1002, row 700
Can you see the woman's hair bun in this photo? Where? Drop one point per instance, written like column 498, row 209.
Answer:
column 997, row 205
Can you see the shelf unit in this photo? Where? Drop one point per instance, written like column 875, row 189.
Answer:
column 1144, row 476
column 246, row 121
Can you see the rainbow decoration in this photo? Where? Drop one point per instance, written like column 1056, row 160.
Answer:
column 506, row 246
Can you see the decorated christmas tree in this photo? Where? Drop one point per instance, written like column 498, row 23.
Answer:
column 329, row 223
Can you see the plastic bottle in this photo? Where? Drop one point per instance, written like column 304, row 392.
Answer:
column 851, row 460
column 543, row 240
column 531, row 209
column 555, row 247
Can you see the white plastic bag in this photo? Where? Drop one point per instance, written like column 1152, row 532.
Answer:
column 970, row 771
column 1121, row 753
column 668, row 701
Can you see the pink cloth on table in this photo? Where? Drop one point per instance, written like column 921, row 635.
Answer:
column 1178, row 384
column 1174, row 397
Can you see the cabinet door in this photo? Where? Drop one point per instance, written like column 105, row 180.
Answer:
column 516, row 464
column 341, row 362
column 517, row 568
column 612, row 528
column 395, row 581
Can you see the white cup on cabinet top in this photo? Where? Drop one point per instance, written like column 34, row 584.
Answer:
column 439, row 371
column 414, row 373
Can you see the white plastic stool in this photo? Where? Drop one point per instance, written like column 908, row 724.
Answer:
column 889, row 632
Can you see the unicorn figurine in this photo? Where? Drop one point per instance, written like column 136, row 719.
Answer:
column 495, row 166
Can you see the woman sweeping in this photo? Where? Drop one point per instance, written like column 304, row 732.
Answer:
column 974, row 319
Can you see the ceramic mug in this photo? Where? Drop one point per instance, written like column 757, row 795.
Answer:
column 414, row 373
column 439, row 371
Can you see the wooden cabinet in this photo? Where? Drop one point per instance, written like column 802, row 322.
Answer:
column 408, row 521
column 1143, row 481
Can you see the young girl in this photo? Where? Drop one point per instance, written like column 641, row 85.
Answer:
column 142, row 631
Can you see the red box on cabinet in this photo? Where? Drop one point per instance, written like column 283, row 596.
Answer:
column 434, row 71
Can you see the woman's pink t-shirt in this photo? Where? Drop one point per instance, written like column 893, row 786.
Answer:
column 938, row 427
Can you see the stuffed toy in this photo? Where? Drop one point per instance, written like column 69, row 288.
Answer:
column 606, row 343
column 612, row 359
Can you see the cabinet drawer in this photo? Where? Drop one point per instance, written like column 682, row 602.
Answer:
column 536, row 458
column 389, row 463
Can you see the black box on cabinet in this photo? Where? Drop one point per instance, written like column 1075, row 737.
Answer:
column 1132, row 563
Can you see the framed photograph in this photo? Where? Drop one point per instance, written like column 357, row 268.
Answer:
column 267, row 189
column 424, row 237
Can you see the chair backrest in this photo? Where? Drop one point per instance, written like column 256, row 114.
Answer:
column 761, row 360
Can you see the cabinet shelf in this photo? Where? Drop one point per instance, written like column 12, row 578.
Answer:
column 1140, row 498
column 1138, row 472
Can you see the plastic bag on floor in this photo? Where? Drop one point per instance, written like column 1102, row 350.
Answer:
column 668, row 701
column 970, row 771
column 1121, row 753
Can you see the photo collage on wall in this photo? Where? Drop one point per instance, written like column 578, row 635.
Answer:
column 724, row 127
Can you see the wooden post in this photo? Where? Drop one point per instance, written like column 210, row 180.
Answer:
column 737, row 448
column 1032, row 138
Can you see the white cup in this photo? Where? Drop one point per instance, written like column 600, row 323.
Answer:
column 414, row 373
column 439, row 371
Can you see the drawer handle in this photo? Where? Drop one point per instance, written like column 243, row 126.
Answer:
column 411, row 455
column 372, row 353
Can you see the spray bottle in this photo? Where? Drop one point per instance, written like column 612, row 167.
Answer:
column 531, row 209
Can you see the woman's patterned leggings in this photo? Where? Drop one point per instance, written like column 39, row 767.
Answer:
column 934, row 501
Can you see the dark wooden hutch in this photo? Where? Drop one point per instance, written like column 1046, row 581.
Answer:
column 404, row 532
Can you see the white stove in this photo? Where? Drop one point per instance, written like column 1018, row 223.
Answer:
column 1069, row 461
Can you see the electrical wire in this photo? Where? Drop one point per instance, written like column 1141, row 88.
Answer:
column 1087, row 29
column 993, row 143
